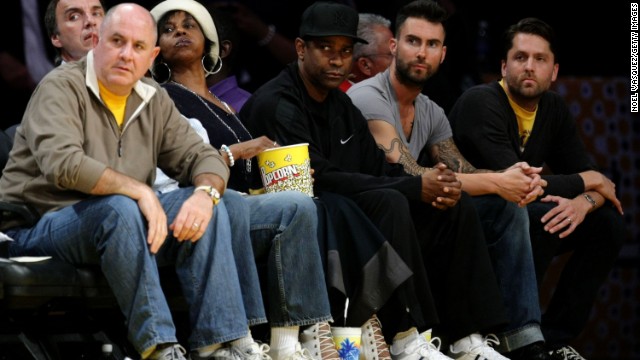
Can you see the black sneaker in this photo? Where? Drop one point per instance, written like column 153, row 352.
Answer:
column 535, row 351
column 565, row 353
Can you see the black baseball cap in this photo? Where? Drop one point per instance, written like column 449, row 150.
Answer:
column 330, row 19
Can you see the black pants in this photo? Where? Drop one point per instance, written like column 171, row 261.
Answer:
column 595, row 244
column 448, row 254
column 359, row 262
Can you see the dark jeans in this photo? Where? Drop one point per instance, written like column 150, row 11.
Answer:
column 448, row 254
column 506, row 229
column 595, row 243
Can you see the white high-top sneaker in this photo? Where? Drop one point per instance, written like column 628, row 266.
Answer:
column 372, row 343
column 318, row 340
column 252, row 351
column 417, row 348
column 476, row 347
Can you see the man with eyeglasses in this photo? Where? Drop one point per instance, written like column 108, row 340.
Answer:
column 374, row 57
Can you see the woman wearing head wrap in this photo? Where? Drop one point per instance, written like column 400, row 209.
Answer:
column 283, row 226
column 358, row 262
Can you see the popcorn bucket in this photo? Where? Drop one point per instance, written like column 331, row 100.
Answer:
column 286, row 168
column 347, row 340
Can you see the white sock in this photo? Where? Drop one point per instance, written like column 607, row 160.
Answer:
column 466, row 343
column 208, row 350
column 284, row 339
column 401, row 339
column 243, row 341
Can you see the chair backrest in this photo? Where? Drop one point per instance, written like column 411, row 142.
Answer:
column 28, row 215
column 6, row 143
column 11, row 131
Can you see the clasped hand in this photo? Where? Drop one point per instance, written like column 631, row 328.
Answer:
column 521, row 183
column 440, row 187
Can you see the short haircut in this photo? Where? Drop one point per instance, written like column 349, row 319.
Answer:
column 50, row 22
column 532, row 26
column 367, row 23
column 423, row 9
column 51, row 25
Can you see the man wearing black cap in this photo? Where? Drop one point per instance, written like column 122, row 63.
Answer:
column 427, row 218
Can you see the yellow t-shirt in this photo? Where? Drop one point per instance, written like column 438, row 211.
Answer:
column 525, row 119
column 115, row 103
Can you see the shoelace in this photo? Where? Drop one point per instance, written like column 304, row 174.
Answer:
column 327, row 346
column 378, row 338
column 429, row 350
column 569, row 353
column 263, row 349
column 177, row 352
column 300, row 353
column 491, row 340
column 488, row 343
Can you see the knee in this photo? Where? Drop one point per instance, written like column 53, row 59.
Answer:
column 499, row 212
column 537, row 209
column 519, row 217
column 121, row 207
column 610, row 224
column 388, row 198
column 303, row 203
column 121, row 218
column 235, row 204
column 465, row 206
column 295, row 205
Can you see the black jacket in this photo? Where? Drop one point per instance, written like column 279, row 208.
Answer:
column 344, row 154
column 485, row 130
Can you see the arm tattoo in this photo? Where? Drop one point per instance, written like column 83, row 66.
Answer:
column 447, row 152
column 406, row 160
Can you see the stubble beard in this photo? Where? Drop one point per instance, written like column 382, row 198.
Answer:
column 404, row 75
column 525, row 92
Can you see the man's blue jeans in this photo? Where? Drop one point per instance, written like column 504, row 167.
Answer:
column 506, row 228
column 111, row 231
column 283, row 232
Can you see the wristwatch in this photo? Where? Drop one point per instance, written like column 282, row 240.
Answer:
column 213, row 193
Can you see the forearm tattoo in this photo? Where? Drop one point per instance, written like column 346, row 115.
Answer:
column 447, row 152
column 406, row 160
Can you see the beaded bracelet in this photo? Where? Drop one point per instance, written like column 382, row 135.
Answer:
column 226, row 149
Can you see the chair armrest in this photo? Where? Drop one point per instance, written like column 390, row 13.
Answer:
column 22, row 213
column 4, row 250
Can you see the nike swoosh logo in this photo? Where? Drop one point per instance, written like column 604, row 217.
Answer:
column 346, row 140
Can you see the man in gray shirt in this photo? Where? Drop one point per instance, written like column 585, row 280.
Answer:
column 414, row 132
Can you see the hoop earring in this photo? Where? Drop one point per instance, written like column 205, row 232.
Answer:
column 156, row 71
column 216, row 69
